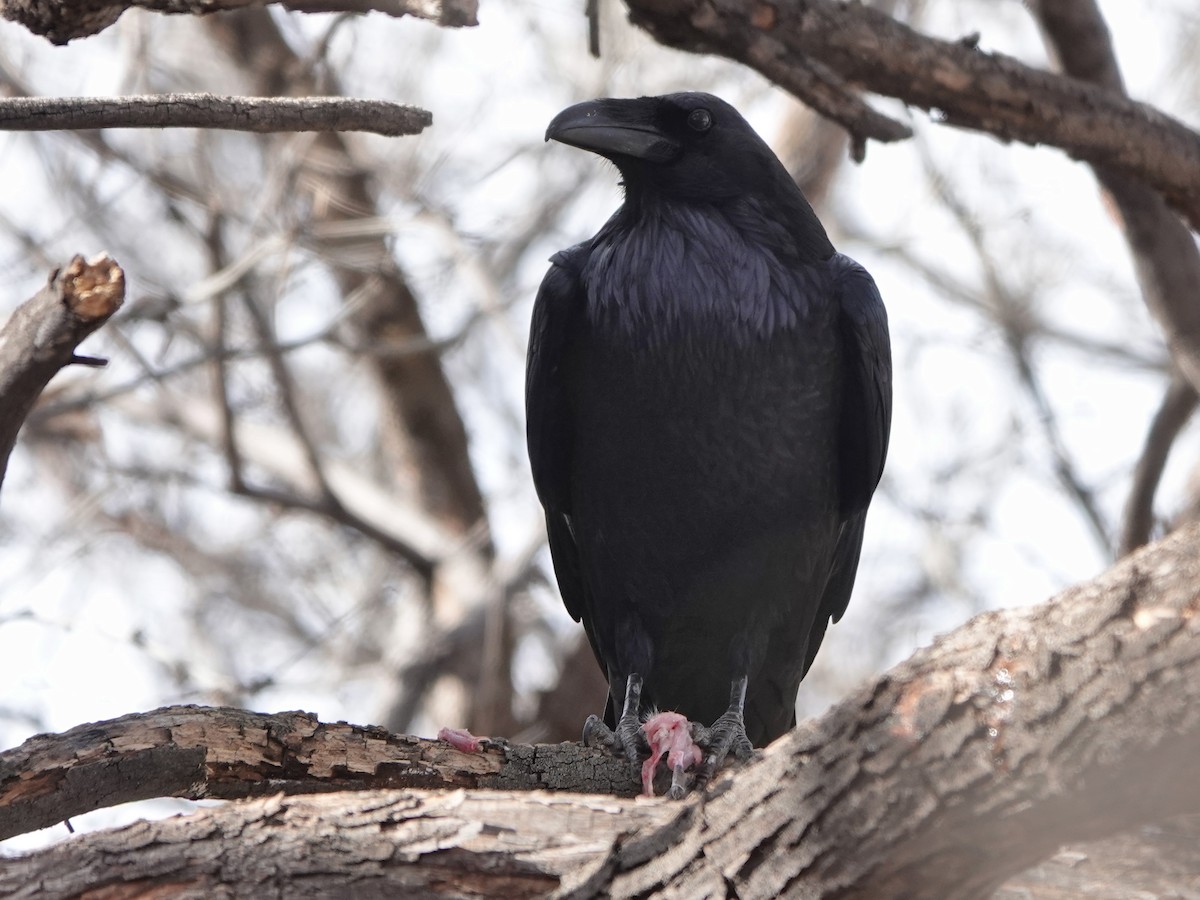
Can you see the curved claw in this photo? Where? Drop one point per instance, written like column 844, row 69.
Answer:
column 627, row 740
column 597, row 734
column 678, row 789
column 727, row 734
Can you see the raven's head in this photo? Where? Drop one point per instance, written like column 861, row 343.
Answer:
column 690, row 146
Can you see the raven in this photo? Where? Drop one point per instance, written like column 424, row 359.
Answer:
column 708, row 402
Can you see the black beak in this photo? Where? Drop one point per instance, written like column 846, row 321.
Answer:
column 614, row 128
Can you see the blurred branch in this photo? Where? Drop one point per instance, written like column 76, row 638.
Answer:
column 41, row 336
column 257, row 114
column 1016, row 318
column 472, row 649
column 420, row 413
column 1164, row 251
column 1173, row 413
column 367, row 506
column 60, row 21
column 326, row 504
column 1165, row 254
column 957, row 291
column 990, row 92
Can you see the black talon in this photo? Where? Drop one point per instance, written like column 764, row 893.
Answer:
column 627, row 739
column 727, row 734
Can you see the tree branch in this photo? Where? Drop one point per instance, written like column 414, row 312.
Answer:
column 257, row 114
column 1173, row 413
column 201, row 753
column 987, row 92
column 60, row 21
column 1022, row 730
column 1164, row 251
column 41, row 336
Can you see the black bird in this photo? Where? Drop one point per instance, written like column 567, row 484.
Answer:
column 708, row 395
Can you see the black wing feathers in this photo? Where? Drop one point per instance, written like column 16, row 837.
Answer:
column 867, row 384
column 865, row 423
column 548, row 416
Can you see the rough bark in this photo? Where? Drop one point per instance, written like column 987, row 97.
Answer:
column 211, row 753
column 41, row 336
column 260, row 114
column 60, row 21
column 853, row 46
column 981, row 755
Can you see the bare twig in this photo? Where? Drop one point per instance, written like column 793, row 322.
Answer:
column 214, row 752
column 257, row 114
column 326, row 505
column 1011, row 314
column 41, row 336
column 420, row 415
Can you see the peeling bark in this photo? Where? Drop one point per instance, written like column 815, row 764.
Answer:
column 200, row 753
column 963, row 766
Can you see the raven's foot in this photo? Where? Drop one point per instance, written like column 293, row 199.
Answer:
column 626, row 741
column 628, row 738
column 727, row 734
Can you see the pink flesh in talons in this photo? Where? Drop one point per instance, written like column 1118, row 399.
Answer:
column 461, row 739
column 668, row 734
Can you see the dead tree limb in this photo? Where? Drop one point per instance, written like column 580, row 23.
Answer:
column 1022, row 730
column 60, row 21
column 258, row 114
column 41, row 336
column 217, row 753
column 854, row 46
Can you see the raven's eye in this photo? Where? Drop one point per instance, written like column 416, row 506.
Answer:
column 700, row 120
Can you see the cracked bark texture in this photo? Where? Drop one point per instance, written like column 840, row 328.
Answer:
column 199, row 753
column 60, row 21
column 963, row 766
column 41, row 336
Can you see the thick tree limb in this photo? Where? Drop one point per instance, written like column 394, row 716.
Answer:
column 1021, row 731
column 41, row 336
column 202, row 753
column 60, row 21
column 858, row 45
column 259, row 114
column 1156, row 861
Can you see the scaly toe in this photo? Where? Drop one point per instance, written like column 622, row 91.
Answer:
column 727, row 734
column 597, row 734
